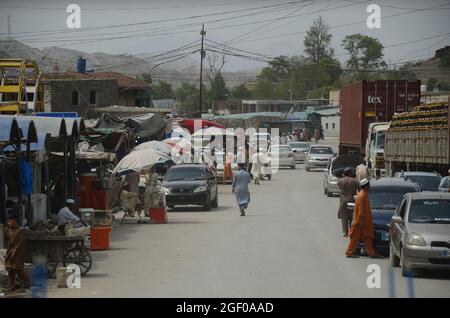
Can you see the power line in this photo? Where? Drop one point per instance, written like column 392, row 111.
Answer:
column 334, row 26
column 169, row 19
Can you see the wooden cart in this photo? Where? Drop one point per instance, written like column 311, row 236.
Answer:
column 59, row 251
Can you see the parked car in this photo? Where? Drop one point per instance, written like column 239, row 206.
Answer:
column 384, row 196
column 284, row 154
column 319, row 156
column 300, row 150
column 190, row 184
column 428, row 181
column 335, row 171
column 420, row 232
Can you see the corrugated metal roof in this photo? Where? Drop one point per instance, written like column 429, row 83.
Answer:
column 294, row 115
column 328, row 112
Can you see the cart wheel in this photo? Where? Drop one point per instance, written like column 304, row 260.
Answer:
column 79, row 256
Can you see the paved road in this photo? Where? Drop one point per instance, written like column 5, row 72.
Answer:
column 289, row 245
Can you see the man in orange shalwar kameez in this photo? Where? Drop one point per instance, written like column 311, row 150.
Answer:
column 362, row 226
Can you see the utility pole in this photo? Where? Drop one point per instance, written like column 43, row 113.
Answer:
column 202, row 56
column 9, row 27
column 290, row 95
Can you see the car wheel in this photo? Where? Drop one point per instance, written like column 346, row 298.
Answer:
column 208, row 205
column 215, row 202
column 325, row 191
column 306, row 168
column 406, row 271
column 293, row 167
column 329, row 194
column 393, row 259
column 171, row 206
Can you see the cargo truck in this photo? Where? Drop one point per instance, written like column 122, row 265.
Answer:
column 373, row 101
column 419, row 140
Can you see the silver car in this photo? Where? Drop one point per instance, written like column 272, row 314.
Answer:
column 282, row 156
column 420, row 232
column 319, row 156
column 300, row 150
column 335, row 170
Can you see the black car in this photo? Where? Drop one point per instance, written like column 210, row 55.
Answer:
column 190, row 184
column 385, row 194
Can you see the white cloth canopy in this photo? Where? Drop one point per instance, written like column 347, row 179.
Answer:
column 137, row 161
column 155, row 145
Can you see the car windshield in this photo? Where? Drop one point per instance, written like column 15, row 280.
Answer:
column 186, row 174
column 426, row 183
column 321, row 150
column 387, row 198
column 280, row 149
column 430, row 211
column 298, row 145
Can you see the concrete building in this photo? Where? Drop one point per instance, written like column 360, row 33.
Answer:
column 265, row 105
column 330, row 121
column 84, row 92
column 334, row 97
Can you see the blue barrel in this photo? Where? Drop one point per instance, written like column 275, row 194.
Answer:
column 81, row 65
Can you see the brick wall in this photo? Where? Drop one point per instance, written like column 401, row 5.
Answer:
column 58, row 95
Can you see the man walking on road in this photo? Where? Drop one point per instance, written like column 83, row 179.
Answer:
column 362, row 226
column 241, row 180
column 349, row 188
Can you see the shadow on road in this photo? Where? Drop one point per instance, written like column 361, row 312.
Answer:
column 435, row 274
column 183, row 209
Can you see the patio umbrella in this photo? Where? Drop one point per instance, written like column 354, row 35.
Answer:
column 137, row 161
column 155, row 145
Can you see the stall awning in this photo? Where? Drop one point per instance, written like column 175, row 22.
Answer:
column 34, row 146
column 14, row 127
column 9, row 129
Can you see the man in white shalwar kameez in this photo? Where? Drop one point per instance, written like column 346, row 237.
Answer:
column 241, row 179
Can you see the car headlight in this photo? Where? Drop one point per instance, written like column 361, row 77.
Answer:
column 165, row 190
column 201, row 189
column 333, row 179
column 415, row 239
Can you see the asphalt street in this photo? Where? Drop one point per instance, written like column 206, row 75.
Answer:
column 289, row 245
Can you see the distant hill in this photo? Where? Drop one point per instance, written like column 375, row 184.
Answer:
column 427, row 69
column 185, row 70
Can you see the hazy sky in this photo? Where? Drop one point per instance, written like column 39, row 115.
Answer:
column 267, row 27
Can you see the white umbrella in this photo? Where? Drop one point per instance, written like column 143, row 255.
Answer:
column 155, row 145
column 137, row 161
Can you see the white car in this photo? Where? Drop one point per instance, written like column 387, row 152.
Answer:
column 319, row 156
column 284, row 154
column 300, row 150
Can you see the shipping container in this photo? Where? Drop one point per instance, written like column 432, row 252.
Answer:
column 365, row 102
column 418, row 149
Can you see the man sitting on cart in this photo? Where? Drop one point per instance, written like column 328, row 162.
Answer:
column 73, row 224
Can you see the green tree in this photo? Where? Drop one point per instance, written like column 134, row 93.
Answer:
column 163, row 90
column 366, row 53
column 317, row 41
column 187, row 96
column 218, row 90
column 240, row 92
column 432, row 83
column 146, row 77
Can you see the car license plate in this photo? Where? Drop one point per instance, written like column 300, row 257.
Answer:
column 446, row 253
column 385, row 236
